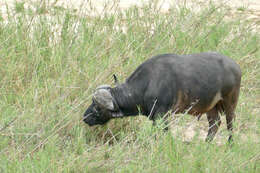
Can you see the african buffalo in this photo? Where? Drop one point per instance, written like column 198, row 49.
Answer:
column 195, row 83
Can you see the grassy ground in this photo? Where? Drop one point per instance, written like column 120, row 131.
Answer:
column 51, row 60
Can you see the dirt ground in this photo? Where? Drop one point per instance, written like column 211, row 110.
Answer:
column 252, row 6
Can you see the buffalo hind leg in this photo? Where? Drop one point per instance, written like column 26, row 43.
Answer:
column 214, row 122
column 230, row 103
column 230, row 117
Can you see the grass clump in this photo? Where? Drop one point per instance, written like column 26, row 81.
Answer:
column 52, row 60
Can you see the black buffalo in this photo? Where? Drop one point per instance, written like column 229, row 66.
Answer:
column 195, row 83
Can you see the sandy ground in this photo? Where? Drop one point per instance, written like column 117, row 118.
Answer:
column 193, row 128
column 252, row 6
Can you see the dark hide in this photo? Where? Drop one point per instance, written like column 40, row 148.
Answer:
column 200, row 83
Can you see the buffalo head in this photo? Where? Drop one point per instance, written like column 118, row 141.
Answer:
column 103, row 107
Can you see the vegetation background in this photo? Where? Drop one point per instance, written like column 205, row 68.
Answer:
column 52, row 58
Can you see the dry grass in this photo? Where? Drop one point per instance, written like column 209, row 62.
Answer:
column 53, row 58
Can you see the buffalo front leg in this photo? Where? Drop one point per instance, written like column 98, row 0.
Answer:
column 165, row 124
column 161, row 113
column 214, row 123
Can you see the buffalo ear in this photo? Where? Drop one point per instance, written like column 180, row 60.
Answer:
column 104, row 98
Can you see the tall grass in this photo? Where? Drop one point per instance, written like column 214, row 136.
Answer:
column 52, row 58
